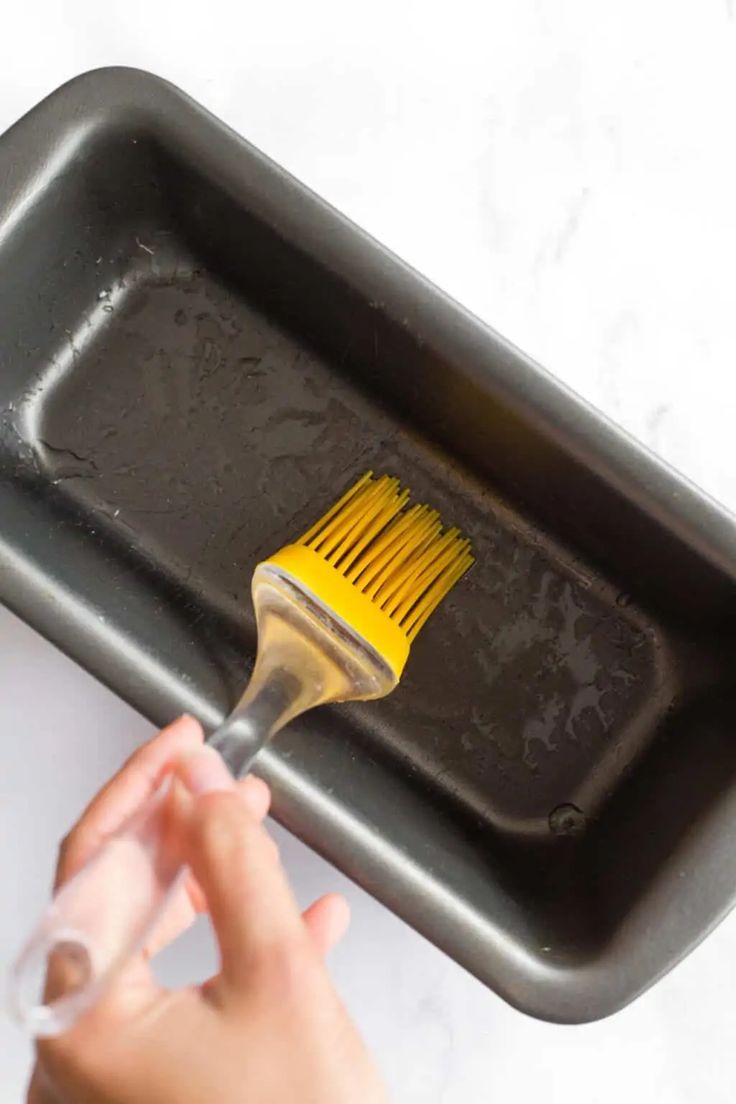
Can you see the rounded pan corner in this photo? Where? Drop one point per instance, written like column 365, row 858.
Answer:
column 611, row 979
column 102, row 99
column 574, row 995
column 109, row 87
column 574, row 1002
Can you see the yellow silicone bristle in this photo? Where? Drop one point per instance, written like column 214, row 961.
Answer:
column 400, row 559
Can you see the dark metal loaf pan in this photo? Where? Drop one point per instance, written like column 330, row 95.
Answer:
column 196, row 356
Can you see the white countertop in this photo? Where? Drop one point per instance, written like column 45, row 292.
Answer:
column 565, row 168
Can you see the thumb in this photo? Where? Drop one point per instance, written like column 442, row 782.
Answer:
column 249, row 899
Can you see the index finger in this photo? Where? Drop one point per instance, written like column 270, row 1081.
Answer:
column 136, row 781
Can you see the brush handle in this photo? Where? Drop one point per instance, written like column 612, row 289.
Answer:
column 98, row 921
column 107, row 912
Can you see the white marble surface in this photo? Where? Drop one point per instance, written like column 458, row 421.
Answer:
column 566, row 168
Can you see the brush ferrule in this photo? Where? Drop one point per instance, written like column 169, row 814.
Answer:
column 344, row 601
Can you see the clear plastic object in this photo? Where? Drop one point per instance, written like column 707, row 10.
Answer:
column 107, row 912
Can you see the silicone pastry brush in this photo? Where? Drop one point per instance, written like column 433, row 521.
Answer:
column 337, row 612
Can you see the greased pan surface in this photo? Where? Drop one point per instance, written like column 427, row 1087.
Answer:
column 196, row 356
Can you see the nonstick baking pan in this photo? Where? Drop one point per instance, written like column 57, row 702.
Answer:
column 196, row 356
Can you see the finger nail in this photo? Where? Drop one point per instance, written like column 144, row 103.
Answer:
column 255, row 795
column 204, row 771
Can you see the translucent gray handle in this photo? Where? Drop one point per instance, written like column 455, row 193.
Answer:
column 98, row 921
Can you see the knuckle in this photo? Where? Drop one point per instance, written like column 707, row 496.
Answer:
column 82, row 1062
column 284, row 968
column 64, row 845
column 220, row 823
column 64, row 852
column 66, row 1060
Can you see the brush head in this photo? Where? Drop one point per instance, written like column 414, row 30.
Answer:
column 379, row 565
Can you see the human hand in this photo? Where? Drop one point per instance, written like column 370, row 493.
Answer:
column 269, row 1028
